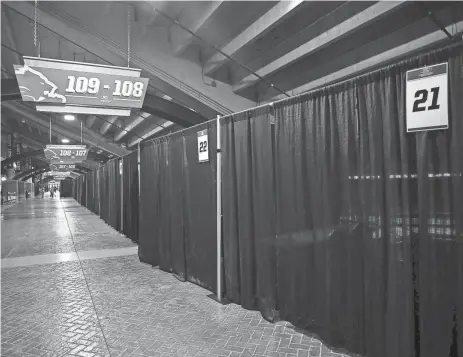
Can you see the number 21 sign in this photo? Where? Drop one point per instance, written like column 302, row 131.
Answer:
column 427, row 98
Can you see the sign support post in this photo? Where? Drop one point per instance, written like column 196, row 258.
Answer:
column 219, row 214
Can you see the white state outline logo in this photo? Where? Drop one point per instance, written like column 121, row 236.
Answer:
column 50, row 94
column 54, row 154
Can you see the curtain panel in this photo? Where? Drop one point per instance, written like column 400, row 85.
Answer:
column 340, row 222
column 178, row 214
column 130, row 195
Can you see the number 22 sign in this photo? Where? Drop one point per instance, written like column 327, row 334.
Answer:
column 203, row 149
column 427, row 98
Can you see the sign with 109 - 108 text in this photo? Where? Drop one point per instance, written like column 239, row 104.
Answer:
column 66, row 154
column 427, row 98
column 76, row 87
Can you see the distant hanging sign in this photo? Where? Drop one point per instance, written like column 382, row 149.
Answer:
column 427, row 98
column 62, row 167
column 77, row 87
column 66, row 154
column 60, row 175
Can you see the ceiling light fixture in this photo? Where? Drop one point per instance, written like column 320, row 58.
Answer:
column 69, row 117
column 65, row 141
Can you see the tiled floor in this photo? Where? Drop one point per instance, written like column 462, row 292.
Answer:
column 97, row 299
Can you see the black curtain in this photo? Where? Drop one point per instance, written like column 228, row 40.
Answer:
column 103, row 179
column 178, row 215
column 90, row 190
column 344, row 224
column 149, row 203
column 176, row 202
column 96, row 192
column 248, row 193
column 130, row 195
column 66, row 188
column 200, row 209
column 112, row 187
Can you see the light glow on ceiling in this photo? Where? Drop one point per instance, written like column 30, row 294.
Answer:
column 69, row 117
column 65, row 141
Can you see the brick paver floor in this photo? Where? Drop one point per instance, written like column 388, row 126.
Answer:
column 114, row 305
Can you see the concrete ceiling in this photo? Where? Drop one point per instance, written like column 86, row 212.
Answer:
column 296, row 45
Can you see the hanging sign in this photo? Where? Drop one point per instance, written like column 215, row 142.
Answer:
column 76, row 87
column 66, row 154
column 427, row 98
column 59, row 175
column 203, row 149
column 62, row 167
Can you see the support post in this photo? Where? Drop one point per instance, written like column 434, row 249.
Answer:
column 121, row 165
column 219, row 214
column 219, row 296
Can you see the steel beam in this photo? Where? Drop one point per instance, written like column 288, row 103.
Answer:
column 337, row 33
column 264, row 24
column 379, row 60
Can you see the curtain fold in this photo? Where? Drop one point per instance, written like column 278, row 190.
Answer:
column 200, row 210
column 149, row 204
column 176, row 204
column 364, row 237
column 130, row 195
column 248, row 210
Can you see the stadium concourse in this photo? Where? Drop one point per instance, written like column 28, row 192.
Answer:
column 231, row 178
column 73, row 286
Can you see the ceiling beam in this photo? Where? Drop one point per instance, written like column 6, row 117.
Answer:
column 195, row 20
column 171, row 111
column 335, row 34
column 110, row 120
column 160, row 67
column 6, row 28
column 89, row 137
column 153, row 104
column 90, row 121
column 10, row 89
column 380, row 60
column 265, row 23
column 154, row 130
column 132, row 122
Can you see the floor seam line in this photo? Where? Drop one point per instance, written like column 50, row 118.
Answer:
column 85, row 279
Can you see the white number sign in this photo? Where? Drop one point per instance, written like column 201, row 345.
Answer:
column 427, row 98
column 203, row 147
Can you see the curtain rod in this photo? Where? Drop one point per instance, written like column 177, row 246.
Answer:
column 271, row 104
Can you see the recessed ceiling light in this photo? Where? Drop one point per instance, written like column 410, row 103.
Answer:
column 69, row 117
column 65, row 141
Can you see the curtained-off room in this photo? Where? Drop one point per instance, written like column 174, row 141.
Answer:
column 333, row 216
column 178, row 206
